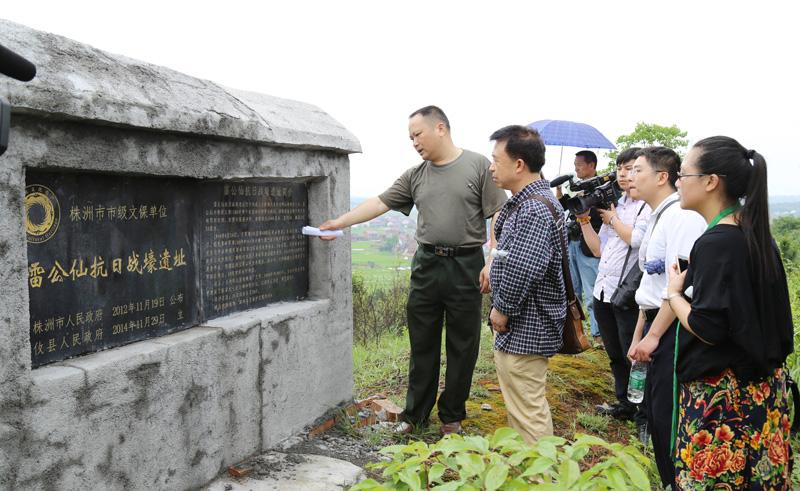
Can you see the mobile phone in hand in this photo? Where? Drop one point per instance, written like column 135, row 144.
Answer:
column 683, row 263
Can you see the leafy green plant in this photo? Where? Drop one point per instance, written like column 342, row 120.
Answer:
column 785, row 231
column 506, row 462
column 647, row 451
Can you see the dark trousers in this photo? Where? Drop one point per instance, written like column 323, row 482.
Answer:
column 444, row 290
column 616, row 329
column 658, row 389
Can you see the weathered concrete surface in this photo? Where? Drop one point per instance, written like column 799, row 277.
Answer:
column 295, row 359
column 170, row 412
column 78, row 81
column 293, row 472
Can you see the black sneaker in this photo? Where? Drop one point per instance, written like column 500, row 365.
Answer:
column 617, row 411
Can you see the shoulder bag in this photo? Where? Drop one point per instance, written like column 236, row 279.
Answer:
column 573, row 336
column 624, row 297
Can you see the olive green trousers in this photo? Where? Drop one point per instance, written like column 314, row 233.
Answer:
column 445, row 291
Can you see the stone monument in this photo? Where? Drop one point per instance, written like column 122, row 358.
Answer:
column 162, row 317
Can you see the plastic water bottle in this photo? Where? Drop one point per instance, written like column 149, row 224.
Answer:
column 636, row 382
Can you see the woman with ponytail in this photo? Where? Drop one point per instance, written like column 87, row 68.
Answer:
column 731, row 423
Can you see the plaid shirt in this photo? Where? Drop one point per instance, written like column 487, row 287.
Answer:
column 528, row 285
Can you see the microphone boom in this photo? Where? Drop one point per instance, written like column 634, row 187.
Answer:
column 15, row 66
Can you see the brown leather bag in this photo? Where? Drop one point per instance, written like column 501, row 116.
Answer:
column 574, row 338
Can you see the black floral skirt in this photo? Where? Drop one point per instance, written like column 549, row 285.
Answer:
column 732, row 436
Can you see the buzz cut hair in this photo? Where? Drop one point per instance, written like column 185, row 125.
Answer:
column 432, row 112
column 589, row 156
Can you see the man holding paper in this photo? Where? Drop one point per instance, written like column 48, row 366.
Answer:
column 454, row 195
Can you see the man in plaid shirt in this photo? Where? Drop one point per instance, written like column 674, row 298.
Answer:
column 529, row 302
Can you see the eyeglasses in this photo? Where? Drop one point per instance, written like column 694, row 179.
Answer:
column 682, row 175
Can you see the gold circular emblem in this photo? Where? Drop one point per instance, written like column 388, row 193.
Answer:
column 42, row 213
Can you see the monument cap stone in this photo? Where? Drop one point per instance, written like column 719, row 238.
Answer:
column 77, row 81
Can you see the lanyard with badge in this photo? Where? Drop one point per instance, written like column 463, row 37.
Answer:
column 713, row 223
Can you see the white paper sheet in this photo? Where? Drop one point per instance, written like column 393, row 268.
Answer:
column 308, row 230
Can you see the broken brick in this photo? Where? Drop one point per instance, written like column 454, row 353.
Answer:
column 239, row 471
column 392, row 410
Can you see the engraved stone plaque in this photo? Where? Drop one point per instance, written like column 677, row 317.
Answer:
column 114, row 259
column 252, row 252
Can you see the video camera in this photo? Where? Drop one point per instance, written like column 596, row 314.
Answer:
column 596, row 192
column 14, row 66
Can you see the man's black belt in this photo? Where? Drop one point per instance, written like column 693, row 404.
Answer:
column 449, row 251
column 650, row 314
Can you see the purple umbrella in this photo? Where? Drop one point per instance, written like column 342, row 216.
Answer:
column 570, row 134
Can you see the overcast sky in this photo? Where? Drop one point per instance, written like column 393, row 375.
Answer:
column 709, row 67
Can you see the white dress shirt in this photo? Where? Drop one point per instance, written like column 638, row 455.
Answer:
column 630, row 212
column 674, row 235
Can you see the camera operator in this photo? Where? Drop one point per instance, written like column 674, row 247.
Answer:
column 619, row 239
column 582, row 263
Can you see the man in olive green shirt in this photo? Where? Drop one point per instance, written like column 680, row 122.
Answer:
column 454, row 195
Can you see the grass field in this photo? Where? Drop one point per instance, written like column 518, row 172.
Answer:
column 575, row 384
column 375, row 266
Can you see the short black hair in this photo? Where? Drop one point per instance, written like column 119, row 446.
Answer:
column 663, row 159
column 627, row 155
column 589, row 156
column 433, row 112
column 522, row 143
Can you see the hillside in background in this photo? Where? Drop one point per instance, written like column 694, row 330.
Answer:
column 382, row 248
column 778, row 206
column 784, row 205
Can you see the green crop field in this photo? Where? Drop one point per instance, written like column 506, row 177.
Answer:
column 375, row 266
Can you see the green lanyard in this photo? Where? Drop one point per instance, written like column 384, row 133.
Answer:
column 713, row 223
column 727, row 211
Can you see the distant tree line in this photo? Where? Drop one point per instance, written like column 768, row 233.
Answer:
column 786, row 231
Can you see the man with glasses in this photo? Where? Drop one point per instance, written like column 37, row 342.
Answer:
column 617, row 246
column 671, row 232
column 528, row 293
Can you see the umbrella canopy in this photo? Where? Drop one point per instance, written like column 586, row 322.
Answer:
column 570, row 134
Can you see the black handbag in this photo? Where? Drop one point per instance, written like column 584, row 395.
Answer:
column 624, row 297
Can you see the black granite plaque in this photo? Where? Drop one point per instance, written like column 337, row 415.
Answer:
column 252, row 252
column 113, row 259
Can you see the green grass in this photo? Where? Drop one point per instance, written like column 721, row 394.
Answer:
column 381, row 367
column 375, row 266
column 575, row 385
column 596, row 423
